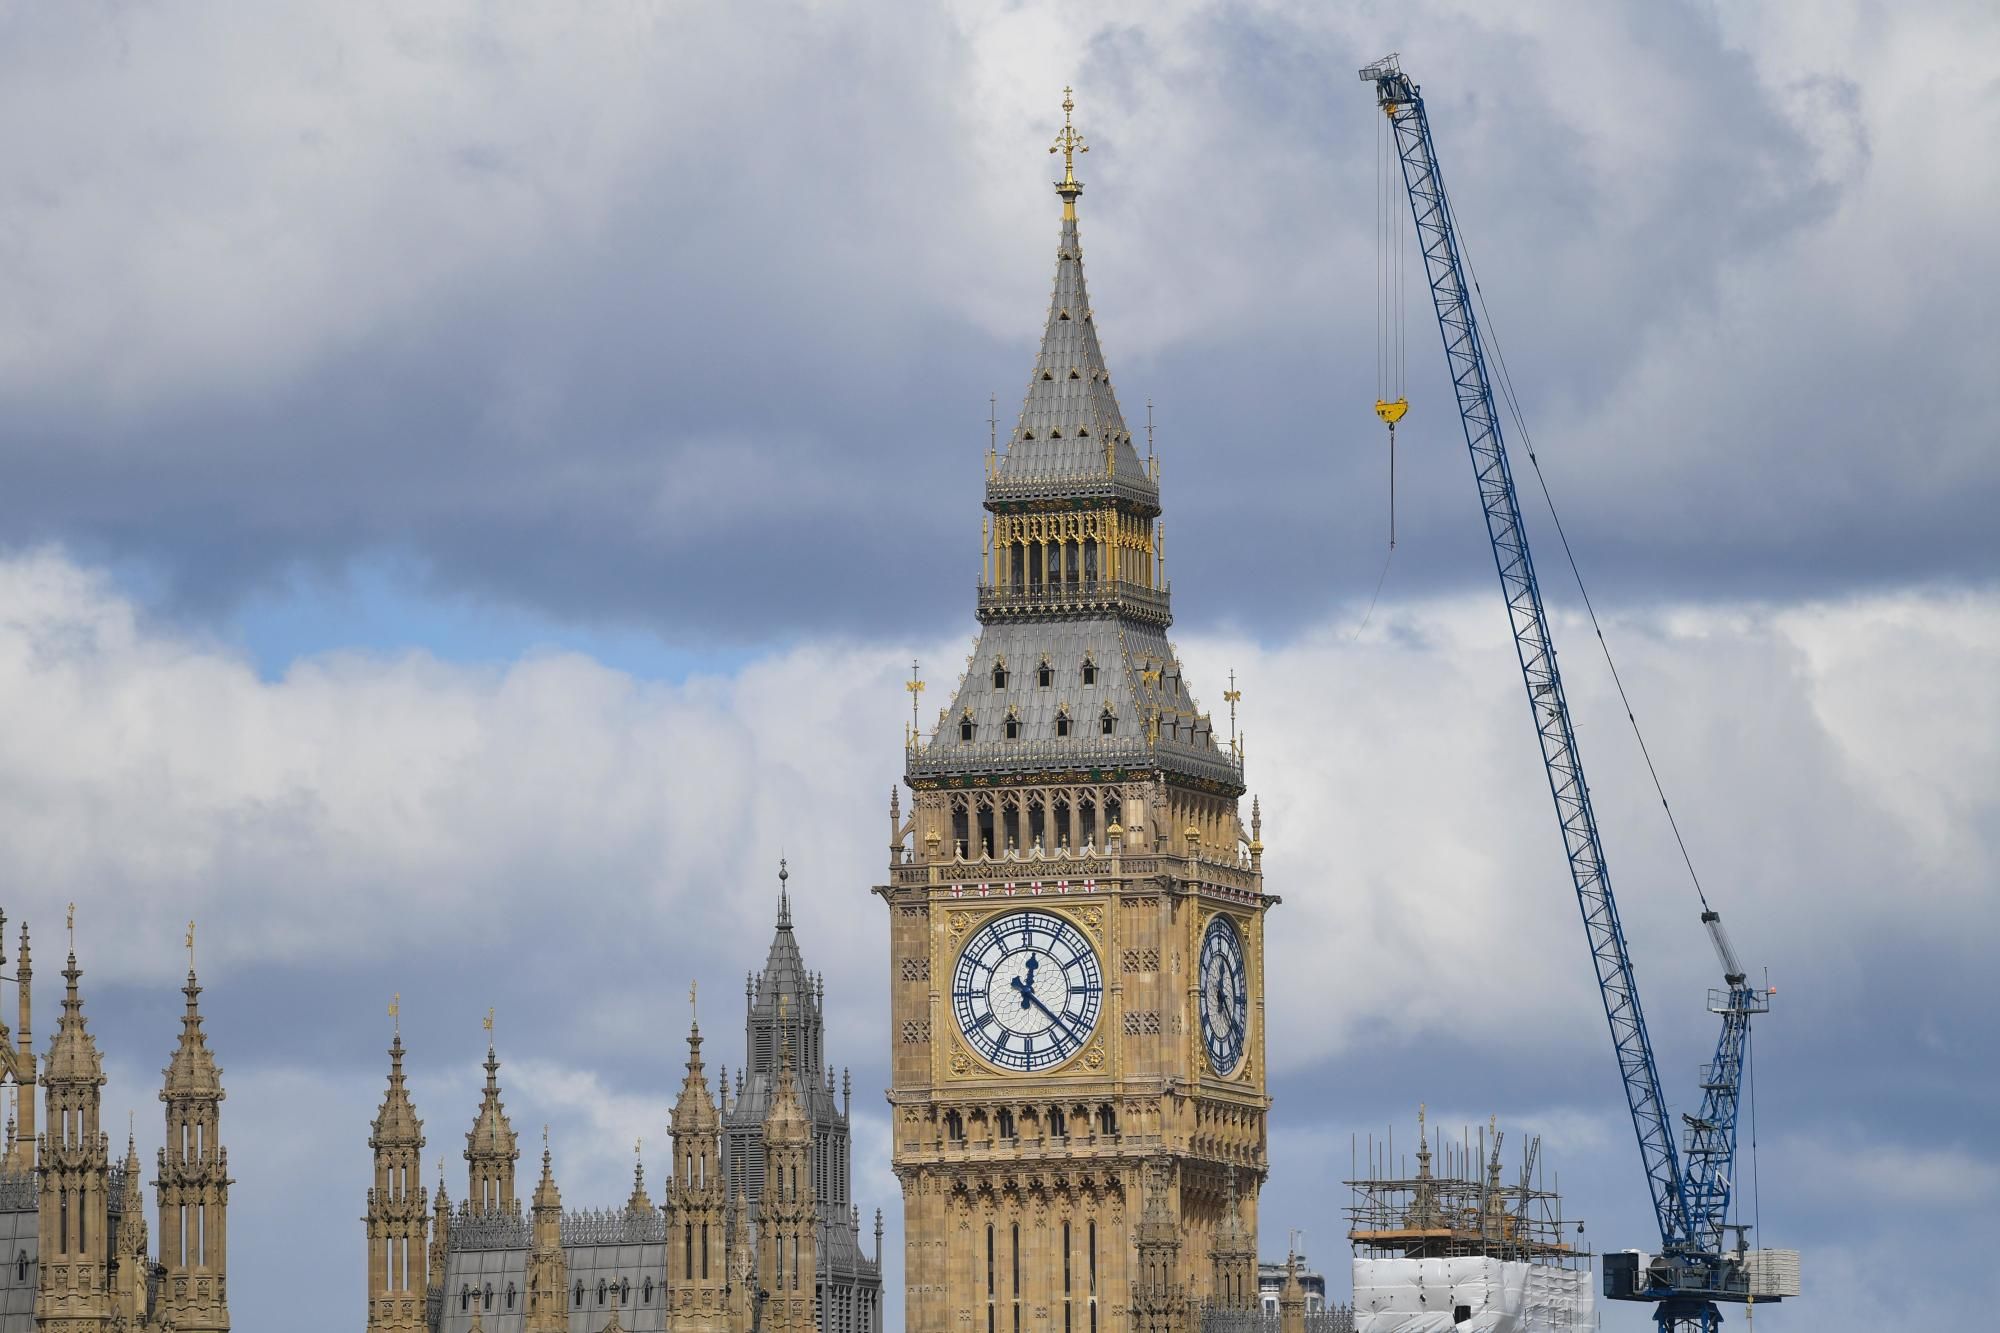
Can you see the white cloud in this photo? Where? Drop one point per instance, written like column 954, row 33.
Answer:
column 504, row 834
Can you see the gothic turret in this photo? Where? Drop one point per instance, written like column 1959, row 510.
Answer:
column 491, row 1148
column 17, row 1065
column 132, row 1258
column 548, row 1270
column 440, row 1230
column 397, row 1267
column 1234, row 1284
column 74, row 1293
column 787, row 1234
column 1158, row 1298
column 193, row 1182
column 697, row 1201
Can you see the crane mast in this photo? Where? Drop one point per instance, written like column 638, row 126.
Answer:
column 1690, row 1199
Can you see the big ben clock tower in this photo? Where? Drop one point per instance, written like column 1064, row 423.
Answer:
column 1076, row 911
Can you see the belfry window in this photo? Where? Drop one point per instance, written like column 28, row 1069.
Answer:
column 603, row 1289
column 465, row 1296
column 1089, row 672
column 1107, row 723
column 967, row 728
column 1045, row 675
column 999, row 675
column 1062, row 723
column 510, row 1295
column 1013, row 725
column 579, row 1293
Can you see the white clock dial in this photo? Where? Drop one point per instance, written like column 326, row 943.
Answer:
column 1225, row 995
column 1027, row 990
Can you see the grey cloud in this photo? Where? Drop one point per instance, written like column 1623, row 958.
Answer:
column 644, row 344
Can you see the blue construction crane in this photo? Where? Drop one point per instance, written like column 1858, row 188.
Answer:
column 1691, row 1182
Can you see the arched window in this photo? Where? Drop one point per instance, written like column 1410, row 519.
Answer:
column 510, row 1295
column 1058, row 1124
column 647, row 1291
column 1107, row 1119
column 465, row 1296
column 603, row 1289
column 579, row 1293
column 1006, row 1123
column 21, row 1267
column 954, row 1126
column 625, row 1291
column 488, row 1303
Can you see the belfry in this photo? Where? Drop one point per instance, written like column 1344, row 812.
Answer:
column 1076, row 908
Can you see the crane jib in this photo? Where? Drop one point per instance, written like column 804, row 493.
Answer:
column 1690, row 1198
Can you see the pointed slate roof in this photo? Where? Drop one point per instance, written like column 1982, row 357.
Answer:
column 1071, row 438
column 1116, row 702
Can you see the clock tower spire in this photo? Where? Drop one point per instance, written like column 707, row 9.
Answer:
column 1076, row 910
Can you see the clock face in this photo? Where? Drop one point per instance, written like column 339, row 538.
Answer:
column 1027, row 990
column 1225, row 995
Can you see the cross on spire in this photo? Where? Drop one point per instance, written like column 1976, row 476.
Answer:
column 1069, row 142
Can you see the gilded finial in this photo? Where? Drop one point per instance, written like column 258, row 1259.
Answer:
column 1069, row 143
column 915, row 686
column 692, row 1014
column 190, row 946
column 72, row 927
column 396, row 1011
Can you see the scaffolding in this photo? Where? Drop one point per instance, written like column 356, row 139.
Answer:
column 1459, row 1242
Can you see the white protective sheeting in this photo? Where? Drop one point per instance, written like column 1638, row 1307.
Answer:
column 1425, row 1295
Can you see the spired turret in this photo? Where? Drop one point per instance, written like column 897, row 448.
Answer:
column 548, row 1269
column 397, row 1206
column 787, row 1237
column 132, row 1257
column 193, row 1182
column 74, row 1292
column 697, row 1205
column 491, row 1148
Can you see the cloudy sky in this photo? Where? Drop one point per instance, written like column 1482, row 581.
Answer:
column 472, row 480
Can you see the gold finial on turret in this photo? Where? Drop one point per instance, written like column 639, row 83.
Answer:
column 190, row 946
column 72, row 927
column 396, row 1011
column 1069, row 143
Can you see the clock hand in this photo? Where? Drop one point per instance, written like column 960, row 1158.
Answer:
column 1055, row 1018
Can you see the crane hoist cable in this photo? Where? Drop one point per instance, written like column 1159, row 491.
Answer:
column 1391, row 403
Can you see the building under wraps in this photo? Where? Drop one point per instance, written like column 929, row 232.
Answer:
column 1463, row 1249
